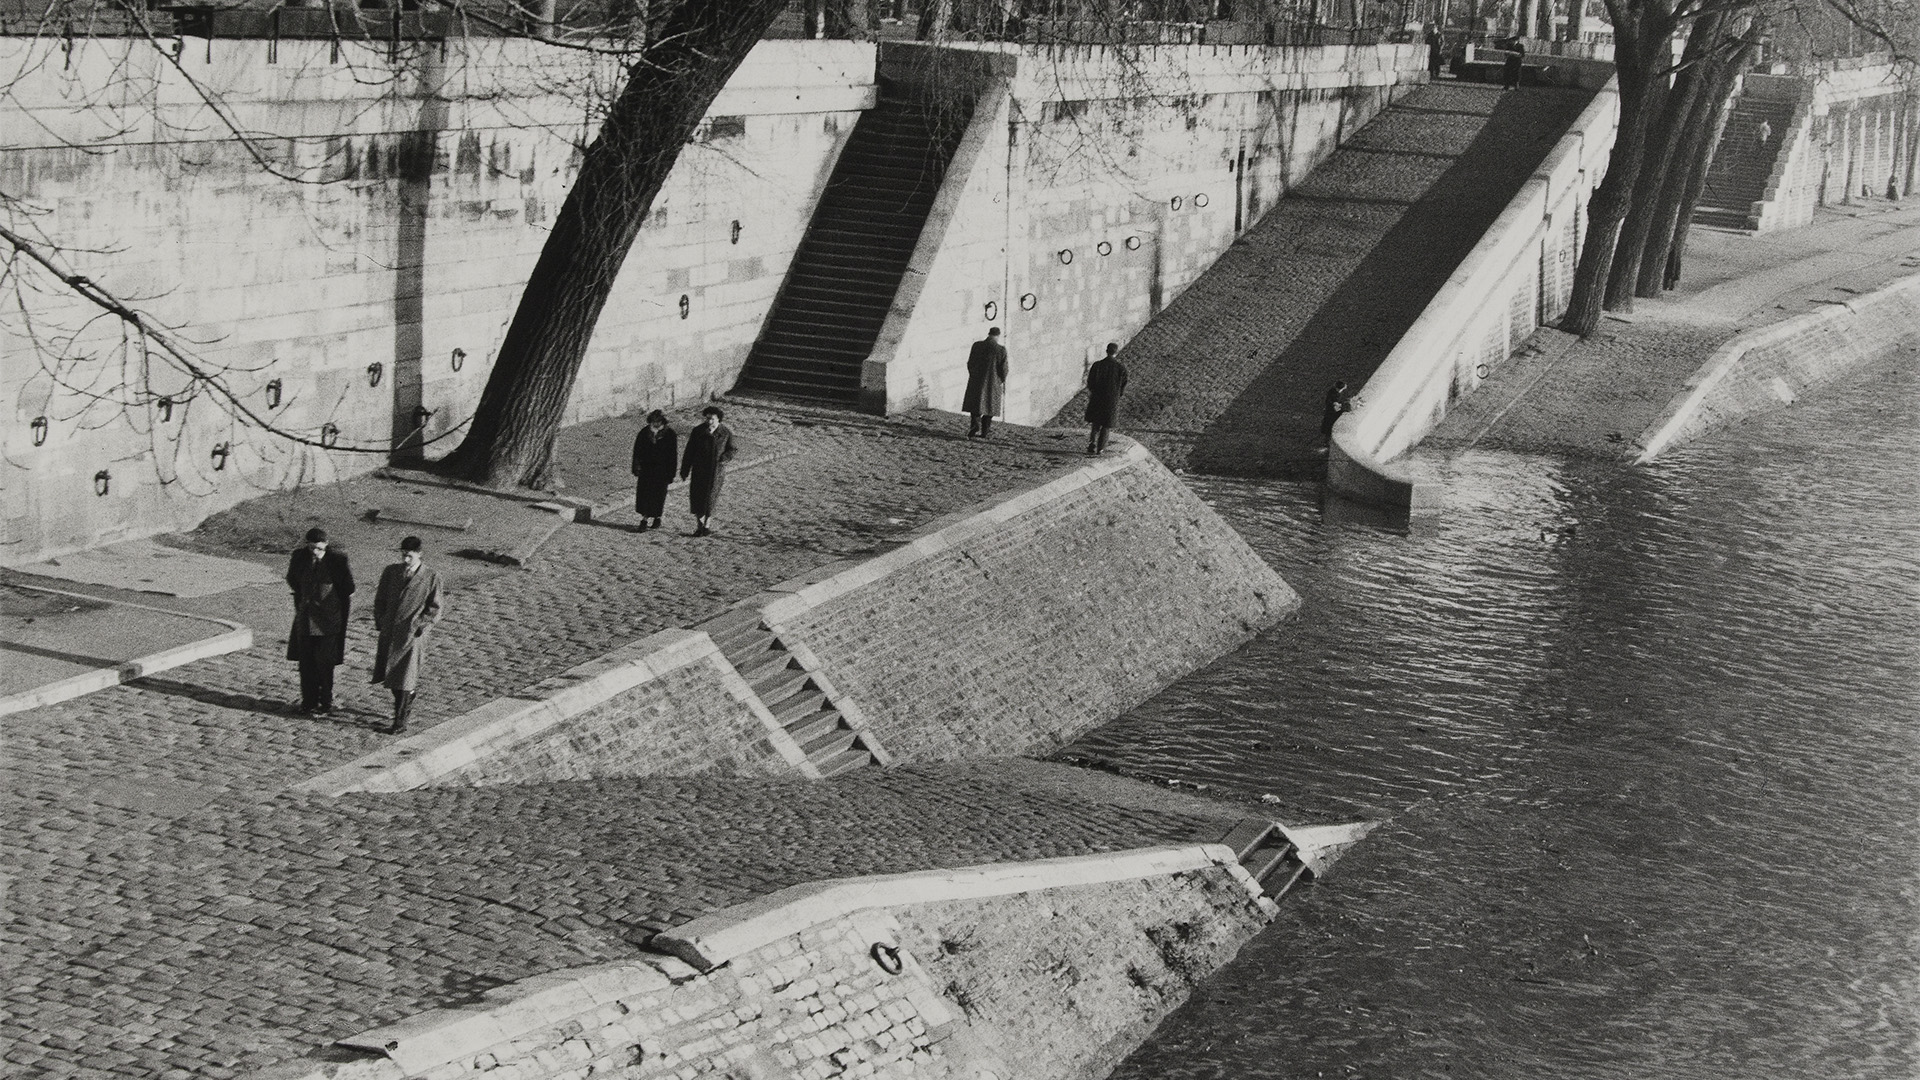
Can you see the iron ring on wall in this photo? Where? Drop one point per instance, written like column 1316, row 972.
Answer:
column 887, row 957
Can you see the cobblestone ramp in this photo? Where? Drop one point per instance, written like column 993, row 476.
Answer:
column 260, row 930
column 1231, row 377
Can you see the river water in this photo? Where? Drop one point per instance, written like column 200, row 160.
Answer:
column 1646, row 743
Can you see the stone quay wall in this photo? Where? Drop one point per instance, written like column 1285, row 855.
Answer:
column 1770, row 367
column 1012, row 628
column 1518, row 277
column 1041, row 970
column 375, row 275
column 1093, row 186
column 1852, row 134
column 354, row 291
column 1017, row 628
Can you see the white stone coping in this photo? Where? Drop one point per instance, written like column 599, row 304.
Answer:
column 233, row 639
column 712, row 940
column 797, row 596
column 1405, row 397
column 502, row 723
column 1727, row 359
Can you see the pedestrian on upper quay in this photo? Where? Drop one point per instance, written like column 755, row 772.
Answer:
column 1510, row 71
column 405, row 607
column 1106, row 381
column 655, row 454
column 986, row 383
column 1436, row 52
column 1339, row 401
column 322, row 585
column 704, row 466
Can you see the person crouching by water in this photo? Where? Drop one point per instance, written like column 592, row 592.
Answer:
column 986, row 383
column 1106, row 381
column 322, row 584
column 655, row 453
column 704, row 466
column 1339, row 401
column 405, row 607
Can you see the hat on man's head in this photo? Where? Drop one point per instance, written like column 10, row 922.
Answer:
column 316, row 536
column 411, row 543
column 993, row 331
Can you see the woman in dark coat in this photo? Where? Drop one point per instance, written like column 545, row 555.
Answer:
column 1106, row 381
column 704, row 466
column 655, row 453
column 322, row 585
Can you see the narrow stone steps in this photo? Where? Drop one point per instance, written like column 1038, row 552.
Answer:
column 844, row 762
column 779, row 684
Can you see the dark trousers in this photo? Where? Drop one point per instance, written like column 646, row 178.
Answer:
column 316, row 684
column 1097, row 438
column 980, row 423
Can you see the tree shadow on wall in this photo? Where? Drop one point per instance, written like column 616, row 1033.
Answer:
column 1272, row 429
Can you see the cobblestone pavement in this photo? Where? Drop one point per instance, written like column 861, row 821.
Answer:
column 1231, row 377
column 174, row 910
column 1591, row 398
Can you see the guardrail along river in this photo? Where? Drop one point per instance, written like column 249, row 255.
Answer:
column 1647, row 741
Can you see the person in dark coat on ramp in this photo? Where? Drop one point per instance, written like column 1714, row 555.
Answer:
column 986, row 383
column 1106, row 381
column 1339, row 401
column 1510, row 71
column 704, row 466
column 405, row 607
column 655, row 454
column 322, row 585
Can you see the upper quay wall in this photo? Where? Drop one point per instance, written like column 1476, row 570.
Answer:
column 370, row 270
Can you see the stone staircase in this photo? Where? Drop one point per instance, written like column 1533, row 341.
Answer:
column 1741, row 167
column 793, row 694
column 850, row 263
column 1265, row 852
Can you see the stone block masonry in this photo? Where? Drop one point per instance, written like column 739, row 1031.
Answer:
column 1015, row 629
column 1035, row 976
column 1770, row 367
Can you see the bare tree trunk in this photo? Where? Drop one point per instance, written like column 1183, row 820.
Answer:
column 1673, row 105
column 1692, row 157
column 697, row 46
column 1640, row 39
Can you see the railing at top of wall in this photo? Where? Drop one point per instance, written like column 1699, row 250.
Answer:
column 1407, row 395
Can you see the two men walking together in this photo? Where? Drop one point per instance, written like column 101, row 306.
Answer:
column 405, row 607
column 985, row 397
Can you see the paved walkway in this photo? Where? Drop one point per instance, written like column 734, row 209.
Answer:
column 1563, row 395
column 176, row 913
column 1232, row 376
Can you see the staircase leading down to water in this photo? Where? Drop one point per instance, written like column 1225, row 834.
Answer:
column 1742, row 164
column 855, row 253
column 1265, row 852
column 789, row 691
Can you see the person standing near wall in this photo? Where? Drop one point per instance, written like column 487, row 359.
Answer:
column 655, row 454
column 986, row 383
column 322, row 585
column 405, row 607
column 1436, row 51
column 1510, row 71
column 1106, row 381
column 704, row 466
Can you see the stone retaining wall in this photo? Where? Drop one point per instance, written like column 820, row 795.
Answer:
column 1018, row 628
column 1515, row 279
column 1008, row 629
column 1050, row 969
column 1766, row 368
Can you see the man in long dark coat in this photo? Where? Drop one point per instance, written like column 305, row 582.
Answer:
column 405, row 607
column 1339, row 402
column 655, row 454
column 1510, row 70
column 986, row 383
column 1106, row 381
column 704, row 466
column 322, row 585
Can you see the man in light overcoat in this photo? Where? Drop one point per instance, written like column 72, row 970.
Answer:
column 406, row 606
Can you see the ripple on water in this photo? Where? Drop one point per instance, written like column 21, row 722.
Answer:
column 1647, row 741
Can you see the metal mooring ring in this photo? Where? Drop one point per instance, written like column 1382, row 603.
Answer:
column 1028, row 301
column 993, row 311
column 273, row 393
column 887, row 957
column 374, row 371
column 1483, row 371
column 39, row 426
column 102, row 480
